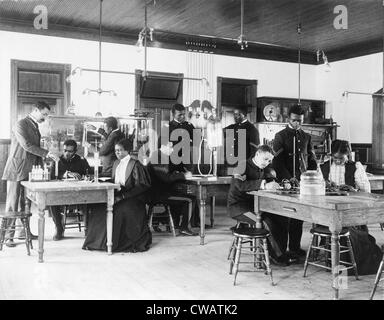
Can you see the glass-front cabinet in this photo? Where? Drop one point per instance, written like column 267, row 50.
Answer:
column 57, row 129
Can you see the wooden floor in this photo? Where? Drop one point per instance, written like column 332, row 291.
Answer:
column 174, row 268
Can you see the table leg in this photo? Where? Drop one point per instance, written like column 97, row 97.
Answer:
column 110, row 220
column 335, row 257
column 202, row 209
column 213, row 203
column 41, row 228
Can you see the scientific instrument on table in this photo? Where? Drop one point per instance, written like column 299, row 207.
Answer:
column 39, row 174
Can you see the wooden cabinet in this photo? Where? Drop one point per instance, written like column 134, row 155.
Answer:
column 275, row 109
column 320, row 134
column 378, row 134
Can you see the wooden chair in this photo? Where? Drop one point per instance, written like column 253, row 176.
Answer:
column 71, row 211
column 319, row 234
column 166, row 214
column 378, row 276
column 258, row 249
column 6, row 218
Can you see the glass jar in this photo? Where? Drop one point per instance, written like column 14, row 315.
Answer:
column 312, row 183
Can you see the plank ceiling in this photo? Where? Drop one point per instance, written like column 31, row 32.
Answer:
column 269, row 25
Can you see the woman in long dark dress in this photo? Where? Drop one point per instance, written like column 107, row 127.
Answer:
column 130, row 223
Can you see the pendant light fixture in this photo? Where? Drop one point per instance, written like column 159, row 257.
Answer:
column 99, row 90
column 241, row 40
column 299, row 60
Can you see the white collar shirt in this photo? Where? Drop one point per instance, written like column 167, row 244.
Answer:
column 121, row 169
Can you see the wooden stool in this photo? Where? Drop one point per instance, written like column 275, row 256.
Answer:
column 238, row 224
column 258, row 249
column 167, row 214
column 319, row 233
column 378, row 276
column 6, row 218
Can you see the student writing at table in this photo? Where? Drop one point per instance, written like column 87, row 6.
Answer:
column 258, row 175
column 348, row 175
column 70, row 165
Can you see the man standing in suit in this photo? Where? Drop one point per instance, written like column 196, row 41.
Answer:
column 186, row 128
column 24, row 153
column 305, row 159
column 112, row 134
column 252, row 139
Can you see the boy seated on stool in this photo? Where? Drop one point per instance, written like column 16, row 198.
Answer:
column 258, row 175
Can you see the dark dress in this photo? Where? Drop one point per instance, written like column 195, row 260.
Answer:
column 130, row 223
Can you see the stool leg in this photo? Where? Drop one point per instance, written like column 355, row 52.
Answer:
column 349, row 244
column 237, row 258
column 327, row 253
column 3, row 229
column 378, row 276
column 266, row 256
column 171, row 220
column 231, row 248
column 313, row 239
column 254, row 249
column 78, row 219
column 234, row 248
column 27, row 235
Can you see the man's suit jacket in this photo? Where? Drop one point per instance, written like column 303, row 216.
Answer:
column 137, row 180
column 25, row 150
column 252, row 139
column 107, row 151
column 283, row 147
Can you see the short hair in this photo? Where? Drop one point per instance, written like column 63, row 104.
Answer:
column 296, row 109
column 126, row 144
column 111, row 122
column 265, row 148
column 41, row 105
column 178, row 107
column 242, row 108
column 71, row 143
column 340, row 146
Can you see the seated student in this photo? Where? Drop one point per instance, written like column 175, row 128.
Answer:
column 70, row 165
column 348, row 175
column 162, row 180
column 130, row 223
column 343, row 172
column 258, row 175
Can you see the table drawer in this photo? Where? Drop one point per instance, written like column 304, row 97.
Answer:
column 184, row 188
column 284, row 208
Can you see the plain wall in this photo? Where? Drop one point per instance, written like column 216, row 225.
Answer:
column 354, row 112
column 274, row 78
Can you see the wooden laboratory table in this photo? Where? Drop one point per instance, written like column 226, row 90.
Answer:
column 335, row 212
column 203, row 188
column 49, row 193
